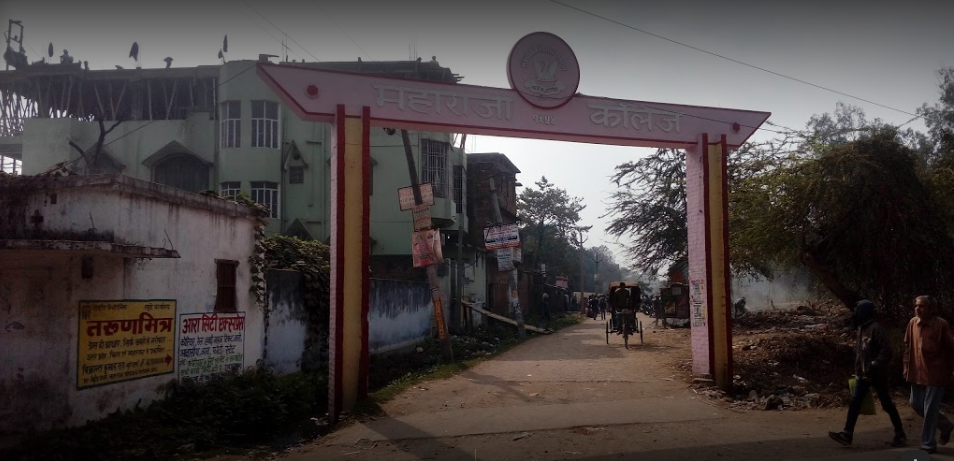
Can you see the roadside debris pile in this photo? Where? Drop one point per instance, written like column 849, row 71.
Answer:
column 813, row 316
column 783, row 398
column 788, row 359
column 472, row 346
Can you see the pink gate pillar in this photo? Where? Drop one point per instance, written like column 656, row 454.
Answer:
column 709, row 279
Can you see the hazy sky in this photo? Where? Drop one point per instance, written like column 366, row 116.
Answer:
column 885, row 52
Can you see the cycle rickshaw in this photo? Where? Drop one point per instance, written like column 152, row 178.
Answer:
column 624, row 322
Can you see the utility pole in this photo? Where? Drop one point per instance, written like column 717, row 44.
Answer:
column 512, row 285
column 579, row 242
column 447, row 350
column 596, row 272
column 460, row 242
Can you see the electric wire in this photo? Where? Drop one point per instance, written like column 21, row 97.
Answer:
column 34, row 51
column 842, row 93
column 342, row 30
column 269, row 33
column 283, row 32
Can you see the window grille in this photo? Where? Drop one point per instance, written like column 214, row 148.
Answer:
column 460, row 185
column 230, row 188
column 231, row 124
column 266, row 193
column 434, row 166
column 265, row 124
column 296, row 175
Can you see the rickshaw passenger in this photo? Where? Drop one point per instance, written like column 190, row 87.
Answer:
column 620, row 300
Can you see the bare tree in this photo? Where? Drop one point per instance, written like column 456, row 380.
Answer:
column 93, row 158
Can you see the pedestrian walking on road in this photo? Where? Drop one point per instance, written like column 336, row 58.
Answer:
column 659, row 312
column 602, row 307
column 872, row 357
column 545, row 310
column 928, row 357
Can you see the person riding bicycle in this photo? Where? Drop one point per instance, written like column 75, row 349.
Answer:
column 620, row 299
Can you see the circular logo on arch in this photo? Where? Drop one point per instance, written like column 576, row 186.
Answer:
column 544, row 70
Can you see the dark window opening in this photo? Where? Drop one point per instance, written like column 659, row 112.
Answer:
column 225, row 285
column 296, row 175
column 460, row 185
column 182, row 171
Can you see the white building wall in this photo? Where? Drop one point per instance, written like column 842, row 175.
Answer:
column 40, row 291
column 287, row 329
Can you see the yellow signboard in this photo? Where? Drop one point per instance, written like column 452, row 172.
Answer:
column 124, row 339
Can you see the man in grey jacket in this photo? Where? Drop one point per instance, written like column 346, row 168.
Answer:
column 872, row 356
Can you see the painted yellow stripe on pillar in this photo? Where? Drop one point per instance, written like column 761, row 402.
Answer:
column 353, row 282
column 717, row 238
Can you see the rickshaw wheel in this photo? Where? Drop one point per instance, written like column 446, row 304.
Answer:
column 607, row 332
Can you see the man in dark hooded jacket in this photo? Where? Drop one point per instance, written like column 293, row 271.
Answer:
column 872, row 356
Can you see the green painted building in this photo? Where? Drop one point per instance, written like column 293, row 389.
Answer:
column 221, row 128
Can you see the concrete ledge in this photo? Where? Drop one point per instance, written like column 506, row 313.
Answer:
column 103, row 248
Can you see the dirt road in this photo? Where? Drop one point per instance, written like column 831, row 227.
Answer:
column 571, row 396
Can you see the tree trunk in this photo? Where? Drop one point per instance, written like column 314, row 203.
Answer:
column 830, row 280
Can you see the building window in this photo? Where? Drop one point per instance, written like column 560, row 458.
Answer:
column 460, row 185
column 434, row 166
column 182, row 171
column 231, row 124
column 230, row 188
column 265, row 124
column 266, row 193
column 11, row 165
column 296, row 175
column 225, row 285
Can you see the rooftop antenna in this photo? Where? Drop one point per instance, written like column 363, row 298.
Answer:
column 285, row 47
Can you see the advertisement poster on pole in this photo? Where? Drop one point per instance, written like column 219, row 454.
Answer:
column 505, row 259
column 422, row 217
column 406, row 196
column 426, row 248
column 504, row 236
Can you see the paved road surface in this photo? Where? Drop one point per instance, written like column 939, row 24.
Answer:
column 571, row 396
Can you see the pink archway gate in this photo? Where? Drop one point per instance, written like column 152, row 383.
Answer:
column 542, row 104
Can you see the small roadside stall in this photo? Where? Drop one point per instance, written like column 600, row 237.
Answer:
column 675, row 299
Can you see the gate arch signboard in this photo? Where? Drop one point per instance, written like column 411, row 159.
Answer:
column 542, row 104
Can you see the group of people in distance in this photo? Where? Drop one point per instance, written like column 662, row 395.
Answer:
column 620, row 297
column 623, row 297
column 928, row 366
column 596, row 306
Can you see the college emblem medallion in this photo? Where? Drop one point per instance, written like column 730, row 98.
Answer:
column 544, row 70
